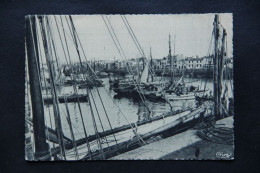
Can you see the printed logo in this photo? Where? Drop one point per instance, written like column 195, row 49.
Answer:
column 223, row 155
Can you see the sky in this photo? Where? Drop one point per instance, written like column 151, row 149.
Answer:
column 192, row 34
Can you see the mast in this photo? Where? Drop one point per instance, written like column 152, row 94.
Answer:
column 114, row 68
column 173, row 71
column 220, row 77
column 216, row 68
column 174, row 45
column 151, row 63
column 143, row 60
column 138, row 70
column 41, row 146
column 94, row 64
column 170, row 57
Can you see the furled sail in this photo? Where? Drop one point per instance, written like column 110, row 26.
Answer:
column 145, row 74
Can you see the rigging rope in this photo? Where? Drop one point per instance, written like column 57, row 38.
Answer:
column 129, row 28
column 107, row 117
column 104, row 88
column 61, row 40
column 71, row 129
column 75, row 91
column 140, row 92
column 92, row 113
column 132, row 34
column 97, row 77
column 53, row 89
column 51, row 37
column 98, row 116
column 207, row 61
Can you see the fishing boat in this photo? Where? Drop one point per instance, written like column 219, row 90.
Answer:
column 151, row 89
column 126, row 87
column 179, row 92
column 129, row 137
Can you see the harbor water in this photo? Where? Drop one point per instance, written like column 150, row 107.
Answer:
column 119, row 110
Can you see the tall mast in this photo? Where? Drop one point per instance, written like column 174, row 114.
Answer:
column 215, row 68
column 41, row 146
column 220, row 77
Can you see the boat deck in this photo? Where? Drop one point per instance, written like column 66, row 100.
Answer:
column 162, row 148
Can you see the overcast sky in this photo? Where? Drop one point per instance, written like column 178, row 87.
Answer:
column 192, row 31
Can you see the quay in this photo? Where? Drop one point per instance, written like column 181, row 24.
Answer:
column 184, row 146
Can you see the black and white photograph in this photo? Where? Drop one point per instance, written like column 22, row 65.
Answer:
column 129, row 87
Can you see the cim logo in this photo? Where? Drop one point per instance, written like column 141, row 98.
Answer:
column 223, row 155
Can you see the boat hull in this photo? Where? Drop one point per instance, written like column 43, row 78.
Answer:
column 127, row 139
column 174, row 97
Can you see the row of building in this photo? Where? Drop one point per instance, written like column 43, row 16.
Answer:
column 178, row 62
